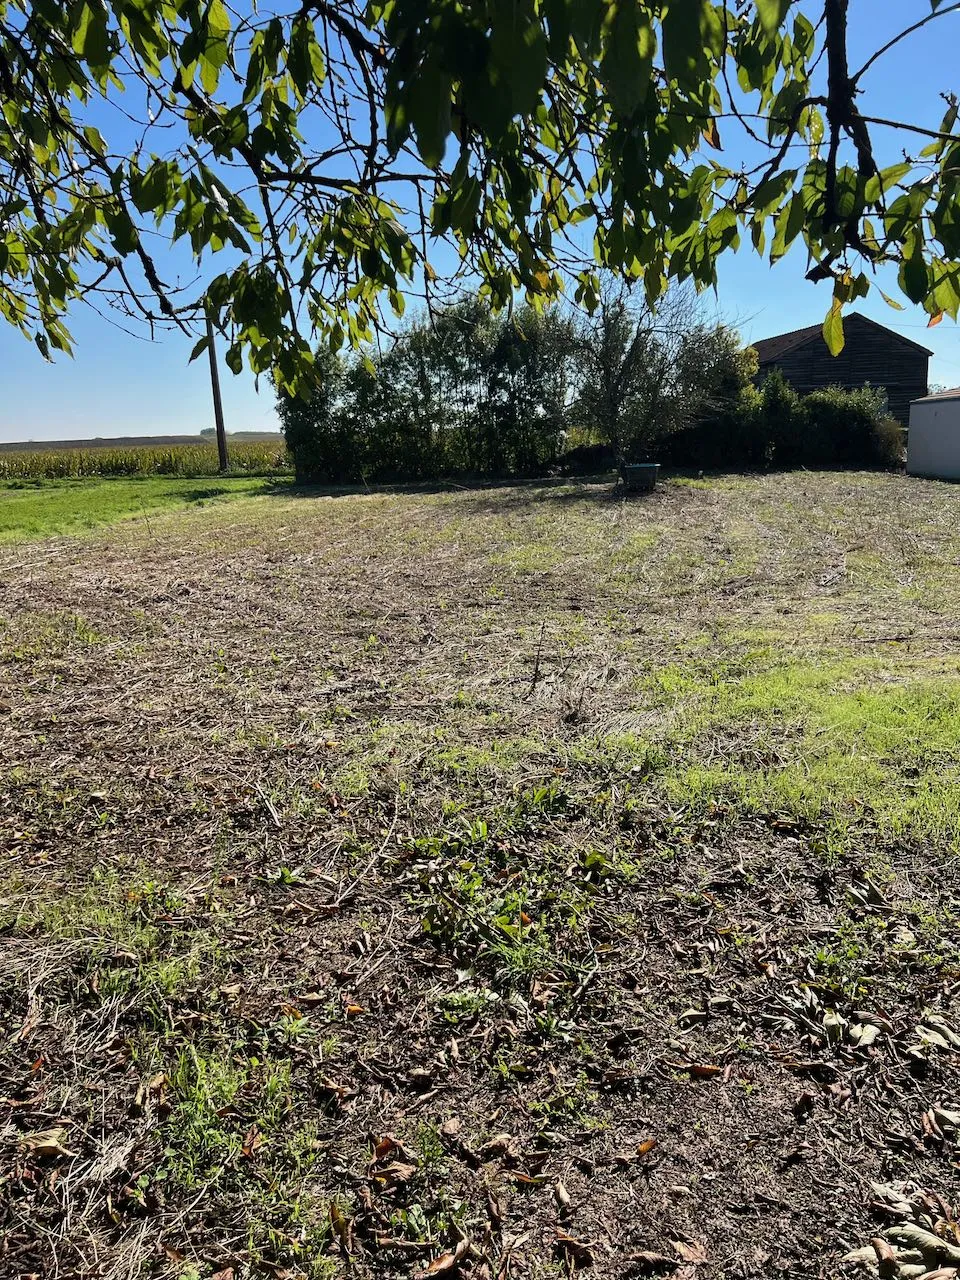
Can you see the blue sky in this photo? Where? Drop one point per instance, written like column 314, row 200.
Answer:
column 118, row 384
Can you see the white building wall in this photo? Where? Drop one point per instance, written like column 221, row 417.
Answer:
column 933, row 445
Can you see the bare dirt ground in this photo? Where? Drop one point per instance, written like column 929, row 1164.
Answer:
column 502, row 883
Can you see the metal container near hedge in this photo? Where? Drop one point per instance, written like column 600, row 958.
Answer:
column 639, row 477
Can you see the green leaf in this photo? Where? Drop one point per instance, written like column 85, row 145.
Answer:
column 879, row 185
column 833, row 328
column 209, row 75
column 787, row 226
column 305, row 60
column 518, row 55
column 772, row 13
column 682, row 47
column 804, row 35
column 122, row 231
column 629, row 48
column 915, row 278
column 428, row 103
column 91, row 38
column 218, row 24
column 198, row 350
column 946, row 291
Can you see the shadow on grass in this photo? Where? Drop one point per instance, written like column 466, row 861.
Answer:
column 487, row 495
column 268, row 486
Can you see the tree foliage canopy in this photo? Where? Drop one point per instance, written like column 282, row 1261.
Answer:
column 326, row 153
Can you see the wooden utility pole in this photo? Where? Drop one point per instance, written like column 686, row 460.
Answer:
column 217, row 402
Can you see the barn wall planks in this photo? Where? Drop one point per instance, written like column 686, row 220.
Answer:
column 871, row 354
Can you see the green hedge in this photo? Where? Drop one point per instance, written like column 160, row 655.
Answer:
column 775, row 428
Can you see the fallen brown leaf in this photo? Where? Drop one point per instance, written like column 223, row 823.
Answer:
column 388, row 1145
column 339, row 1091
column 384, row 1147
column 395, row 1172
column 46, row 1142
column 695, row 1252
column 155, row 1085
column 562, row 1197
column 252, row 1142
column 702, row 1070
column 886, row 1257
column 342, row 1227
column 446, row 1261
column 577, row 1251
column 501, row 1144
column 495, row 1210
column 385, row 1241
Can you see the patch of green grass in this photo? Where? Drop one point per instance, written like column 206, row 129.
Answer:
column 45, row 508
column 509, row 919
column 202, row 1134
column 127, row 931
column 878, row 956
column 846, row 740
column 32, row 635
column 529, row 557
column 232, row 1130
column 491, row 761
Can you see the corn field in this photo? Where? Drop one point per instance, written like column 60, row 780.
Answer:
column 247, row 457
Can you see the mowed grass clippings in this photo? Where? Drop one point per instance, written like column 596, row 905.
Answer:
column 501, row 882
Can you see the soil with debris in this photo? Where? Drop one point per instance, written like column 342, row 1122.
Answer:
column 351, row 922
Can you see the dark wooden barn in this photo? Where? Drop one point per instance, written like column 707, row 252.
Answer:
column 871, row 353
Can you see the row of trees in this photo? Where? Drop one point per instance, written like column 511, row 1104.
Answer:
column 472, row 392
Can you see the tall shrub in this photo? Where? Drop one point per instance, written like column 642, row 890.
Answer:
column 842, row 428
column 462, row 391
column 716, row 373
column 627, row 390
column 321, row 435
column 532, row 368
column 780, row 423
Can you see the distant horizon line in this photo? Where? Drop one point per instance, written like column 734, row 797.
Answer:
column 192, row 437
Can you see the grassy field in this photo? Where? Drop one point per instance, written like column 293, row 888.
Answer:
column 40, row 508
column 500, row 883
column 61, row 460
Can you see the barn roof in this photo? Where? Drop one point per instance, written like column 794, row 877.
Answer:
column 952, row 393
column 772, row 349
